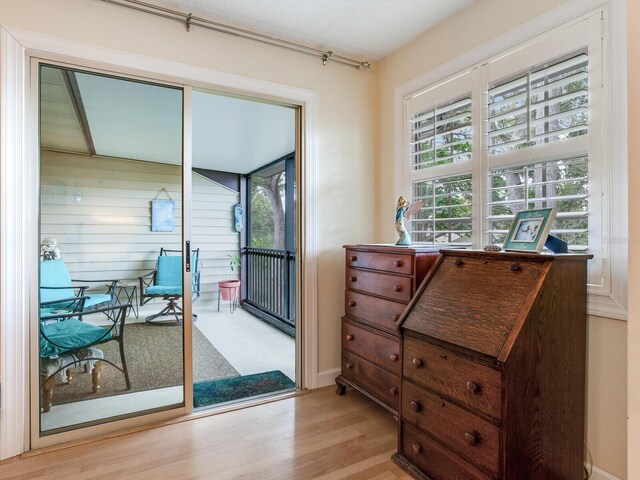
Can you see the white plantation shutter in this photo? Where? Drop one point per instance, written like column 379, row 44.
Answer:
column 445, row 217
column 441, row 135
column 562, row 184
column 541, row 106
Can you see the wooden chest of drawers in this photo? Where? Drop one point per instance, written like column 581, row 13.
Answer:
column 493, row 368
column 380, row 281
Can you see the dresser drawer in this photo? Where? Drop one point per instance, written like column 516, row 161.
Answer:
column 434, row 459
column 378, row 349
column 384, row 284
column 457, row 428
column 373, row 379
column 387, row 262
column 473, row 384
column 380, row 313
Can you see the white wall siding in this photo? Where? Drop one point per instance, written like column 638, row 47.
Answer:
column 99, row 211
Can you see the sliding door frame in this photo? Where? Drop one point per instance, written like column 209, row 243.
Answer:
column 19, row 164
column 39, row 438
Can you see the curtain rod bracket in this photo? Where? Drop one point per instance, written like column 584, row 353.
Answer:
column 188, row 25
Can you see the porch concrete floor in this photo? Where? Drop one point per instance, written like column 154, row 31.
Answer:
column 249, row 345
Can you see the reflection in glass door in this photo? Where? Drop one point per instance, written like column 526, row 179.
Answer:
column 111, row 257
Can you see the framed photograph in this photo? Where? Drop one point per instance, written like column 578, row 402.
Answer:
column 529, row 230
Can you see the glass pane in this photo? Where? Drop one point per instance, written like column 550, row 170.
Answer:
column 563, row 184
column 111, row 238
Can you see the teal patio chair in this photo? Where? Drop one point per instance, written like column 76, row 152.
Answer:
column 63, row 336
column 58, row 292
column 166, row 282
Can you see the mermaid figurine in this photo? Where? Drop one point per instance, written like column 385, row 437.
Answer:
column 405, row 210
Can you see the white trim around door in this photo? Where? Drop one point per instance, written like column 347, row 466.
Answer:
column 17, row 47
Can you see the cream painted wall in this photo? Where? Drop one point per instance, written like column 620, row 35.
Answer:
column 607, row 386
column 346, row 118
column 633, row 32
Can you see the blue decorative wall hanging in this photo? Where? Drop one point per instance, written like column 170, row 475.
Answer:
column 163, row 214
column 238, row 217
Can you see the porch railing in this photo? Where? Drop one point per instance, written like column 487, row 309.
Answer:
column 271, row 284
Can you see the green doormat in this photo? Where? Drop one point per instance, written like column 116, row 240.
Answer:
column 234, row 388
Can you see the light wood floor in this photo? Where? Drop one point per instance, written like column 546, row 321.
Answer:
column 314, row 436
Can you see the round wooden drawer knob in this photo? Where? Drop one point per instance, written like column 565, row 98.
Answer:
column 415, row 406
column 416, row 448
column 354, row 279
column 349, row 337
column 458, row 262
column 417, row 362
column 354, row 258
column 393, row 391
column 398, row 288
column 352, row 303
column 349, row 365
column 394, row 357
column 399, row 263
column 515, row 267
column 473, row 387
column 470, row 438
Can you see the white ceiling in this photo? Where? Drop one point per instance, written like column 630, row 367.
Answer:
column 367, row 29
column 237, row 135
column 140, row 121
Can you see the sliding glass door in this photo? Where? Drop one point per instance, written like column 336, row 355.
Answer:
column 114, row 273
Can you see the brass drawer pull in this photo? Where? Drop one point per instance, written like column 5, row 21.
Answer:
column 354, row 258
column 399, row 263
column 349, row 337
column 473, row 387
column 393, row 391
column 415, row 406
column 471, row 438
column 398, row 288
column 394, row 357
column 349, row 365
column 416, row 448
column 352, row 303
column 417, row 362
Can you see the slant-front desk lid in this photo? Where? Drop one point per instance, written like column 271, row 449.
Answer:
column 473, row 299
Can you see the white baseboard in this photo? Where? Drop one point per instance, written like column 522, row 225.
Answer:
column 327, row 377
column 599, row 474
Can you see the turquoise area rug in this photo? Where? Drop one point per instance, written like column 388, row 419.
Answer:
column 235, row 388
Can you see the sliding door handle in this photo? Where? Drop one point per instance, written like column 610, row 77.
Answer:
column 188, row 253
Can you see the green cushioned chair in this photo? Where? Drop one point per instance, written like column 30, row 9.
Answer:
column 166, row 282
column 65, row 335
column 57, row 290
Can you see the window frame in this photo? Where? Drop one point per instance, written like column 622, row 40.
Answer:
column 605, row 144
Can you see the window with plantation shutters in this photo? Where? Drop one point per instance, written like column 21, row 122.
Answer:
column 528, row 127
column 441, row 135
column 445, row 217
column 543, row 105
column 562, row 184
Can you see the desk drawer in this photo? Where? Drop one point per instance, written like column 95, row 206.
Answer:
column 434, row 459
column 457, row 428
column 383, row 284
column 380, row 313
column 380, row 383
column 473, row 384
column 387, row 262
column 378, row 349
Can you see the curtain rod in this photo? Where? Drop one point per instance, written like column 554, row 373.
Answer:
column 190, row 20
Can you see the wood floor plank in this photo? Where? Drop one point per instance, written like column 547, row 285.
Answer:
column 319, row 436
